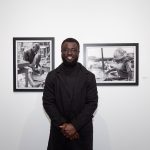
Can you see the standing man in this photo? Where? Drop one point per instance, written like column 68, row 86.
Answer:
column 70, row 99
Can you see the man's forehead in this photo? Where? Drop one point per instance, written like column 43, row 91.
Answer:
column 70, row 44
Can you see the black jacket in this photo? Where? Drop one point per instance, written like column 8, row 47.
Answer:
column 83, row 104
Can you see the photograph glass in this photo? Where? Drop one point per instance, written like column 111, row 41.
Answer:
column 112, row 63
column 33, row 58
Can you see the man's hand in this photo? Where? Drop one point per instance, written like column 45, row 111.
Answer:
column 75, row 136
column 62, row 127
column 69, row 131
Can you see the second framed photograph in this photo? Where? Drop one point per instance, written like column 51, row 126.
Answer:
column 112, row 63
column 33, row 58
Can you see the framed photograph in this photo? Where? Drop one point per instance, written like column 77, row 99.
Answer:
column 112, row 63
column 33, row 58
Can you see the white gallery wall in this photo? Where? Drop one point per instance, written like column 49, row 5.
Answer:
column 122, row 120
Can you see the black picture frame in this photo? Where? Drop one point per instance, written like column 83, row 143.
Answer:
column 112, row 63
column 26, row 76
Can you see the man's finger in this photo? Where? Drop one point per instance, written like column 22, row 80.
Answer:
column 61, row 126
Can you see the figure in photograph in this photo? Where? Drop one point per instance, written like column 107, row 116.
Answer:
column 122, row 67
column 70, row 99
column 33, row 56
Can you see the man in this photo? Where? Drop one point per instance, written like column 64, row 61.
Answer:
column 70, row 99
column 124, row 65
column 32, row 56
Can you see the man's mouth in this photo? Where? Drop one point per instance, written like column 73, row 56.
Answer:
column 69, row 58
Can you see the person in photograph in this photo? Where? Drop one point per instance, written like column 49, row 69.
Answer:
column 33, row 56
column 123, row 64
column 70, row 99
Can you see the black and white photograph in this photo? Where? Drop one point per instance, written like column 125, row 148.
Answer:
column 33, row 58
column 112, row 63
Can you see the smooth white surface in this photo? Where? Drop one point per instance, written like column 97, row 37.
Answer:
column 122, row 120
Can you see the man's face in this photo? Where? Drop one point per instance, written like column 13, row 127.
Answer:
column 35, row 49
column 118, row 64
column 70, row 52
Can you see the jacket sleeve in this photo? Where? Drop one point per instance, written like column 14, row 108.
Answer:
column 91, row 104
column 49, row 102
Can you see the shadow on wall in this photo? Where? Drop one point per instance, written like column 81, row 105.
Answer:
column 36, row 130
column 101, row 136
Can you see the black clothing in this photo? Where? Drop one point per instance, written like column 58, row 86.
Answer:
column 57, row 141
column 70, row 95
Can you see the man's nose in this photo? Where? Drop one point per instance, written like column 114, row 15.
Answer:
column 69, row 51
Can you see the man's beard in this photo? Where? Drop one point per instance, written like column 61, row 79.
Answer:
column 70, row 64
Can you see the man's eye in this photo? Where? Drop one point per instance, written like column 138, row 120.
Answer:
column 64, row 50
column 73, row 50
column 70, row 50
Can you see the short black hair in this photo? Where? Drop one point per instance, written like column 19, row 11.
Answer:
column 70, row 40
